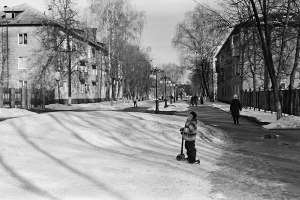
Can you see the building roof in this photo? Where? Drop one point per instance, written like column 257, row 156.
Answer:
column 223, row 43
column 25, row 15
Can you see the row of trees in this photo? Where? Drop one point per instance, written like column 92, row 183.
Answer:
column 197, row 38
column 269, row 41
column 115, row 23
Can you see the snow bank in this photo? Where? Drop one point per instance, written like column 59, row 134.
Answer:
column 171, row 107
column 14, row 112
column 286, row 122
column 96, row 106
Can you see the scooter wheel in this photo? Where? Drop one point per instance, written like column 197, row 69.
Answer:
column 180, row 157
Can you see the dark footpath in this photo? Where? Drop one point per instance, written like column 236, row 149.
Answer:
column 269, row 158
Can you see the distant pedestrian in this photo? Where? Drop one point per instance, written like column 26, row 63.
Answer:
column 135, row 102
column 189, row 135
column 235, row 108
column 192, row 100
column 195, row 99
column 201, row 99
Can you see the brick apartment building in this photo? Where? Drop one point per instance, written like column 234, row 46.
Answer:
column 18, row 28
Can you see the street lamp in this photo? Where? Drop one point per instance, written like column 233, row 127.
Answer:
column 57, row 78
column 171, row 85
column 175, row 92
column 166, row 78
column 154, row 72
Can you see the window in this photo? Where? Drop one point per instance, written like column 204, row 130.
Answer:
column 22, row 84
column 222, row 59
column 89, row 52
column 94, row 70
column 93, row 53
column 23, row 39
column 10, row 15
column 237, row 69
column 65, row 87
column 22, row 62
column 82, row 63
column 82, row 86
column 282, row 86
column 235, row 44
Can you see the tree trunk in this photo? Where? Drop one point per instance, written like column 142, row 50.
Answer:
column 283, row 45
column 266, row 47
column 293, row 72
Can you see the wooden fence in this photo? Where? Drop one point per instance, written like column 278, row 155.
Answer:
column 27, row 98
column 264, row 100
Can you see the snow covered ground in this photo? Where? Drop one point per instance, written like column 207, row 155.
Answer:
column 101, row 155
column 105, row 154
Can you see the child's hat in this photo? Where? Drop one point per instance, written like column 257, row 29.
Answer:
column 194, row 114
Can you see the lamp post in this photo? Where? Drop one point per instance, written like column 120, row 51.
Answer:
column 166, row 78
column 171, row 84
column 154, row 72
column 175, row 85
column 57, row 78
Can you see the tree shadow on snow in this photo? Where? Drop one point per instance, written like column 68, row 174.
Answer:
column 26, row 184
column 70, row 168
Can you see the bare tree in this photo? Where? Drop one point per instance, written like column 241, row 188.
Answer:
column 57, row 43
column 136, row 68
column 197, row 38
column 119, row 24
column 275, row 23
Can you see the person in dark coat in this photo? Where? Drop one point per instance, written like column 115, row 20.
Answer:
column 196, row 99
column 135, row 102
column 192, row 101
column 235, row 108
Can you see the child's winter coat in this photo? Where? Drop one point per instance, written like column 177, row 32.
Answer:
column 190, row 130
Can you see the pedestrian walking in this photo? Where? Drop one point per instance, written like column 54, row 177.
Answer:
column 201, row 99
column 189, row 135
column 192, row 100
column 195, row 99
column 235, row 108
column 135, row 102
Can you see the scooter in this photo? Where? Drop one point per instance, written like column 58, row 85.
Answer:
column 181, row 156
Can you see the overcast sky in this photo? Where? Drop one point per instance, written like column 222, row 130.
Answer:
column 162, row 17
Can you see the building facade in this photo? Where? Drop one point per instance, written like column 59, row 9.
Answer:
column 19, row 41
column 240, row 66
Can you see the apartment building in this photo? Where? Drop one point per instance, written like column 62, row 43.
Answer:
column 240, row 66
column 18, row 42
